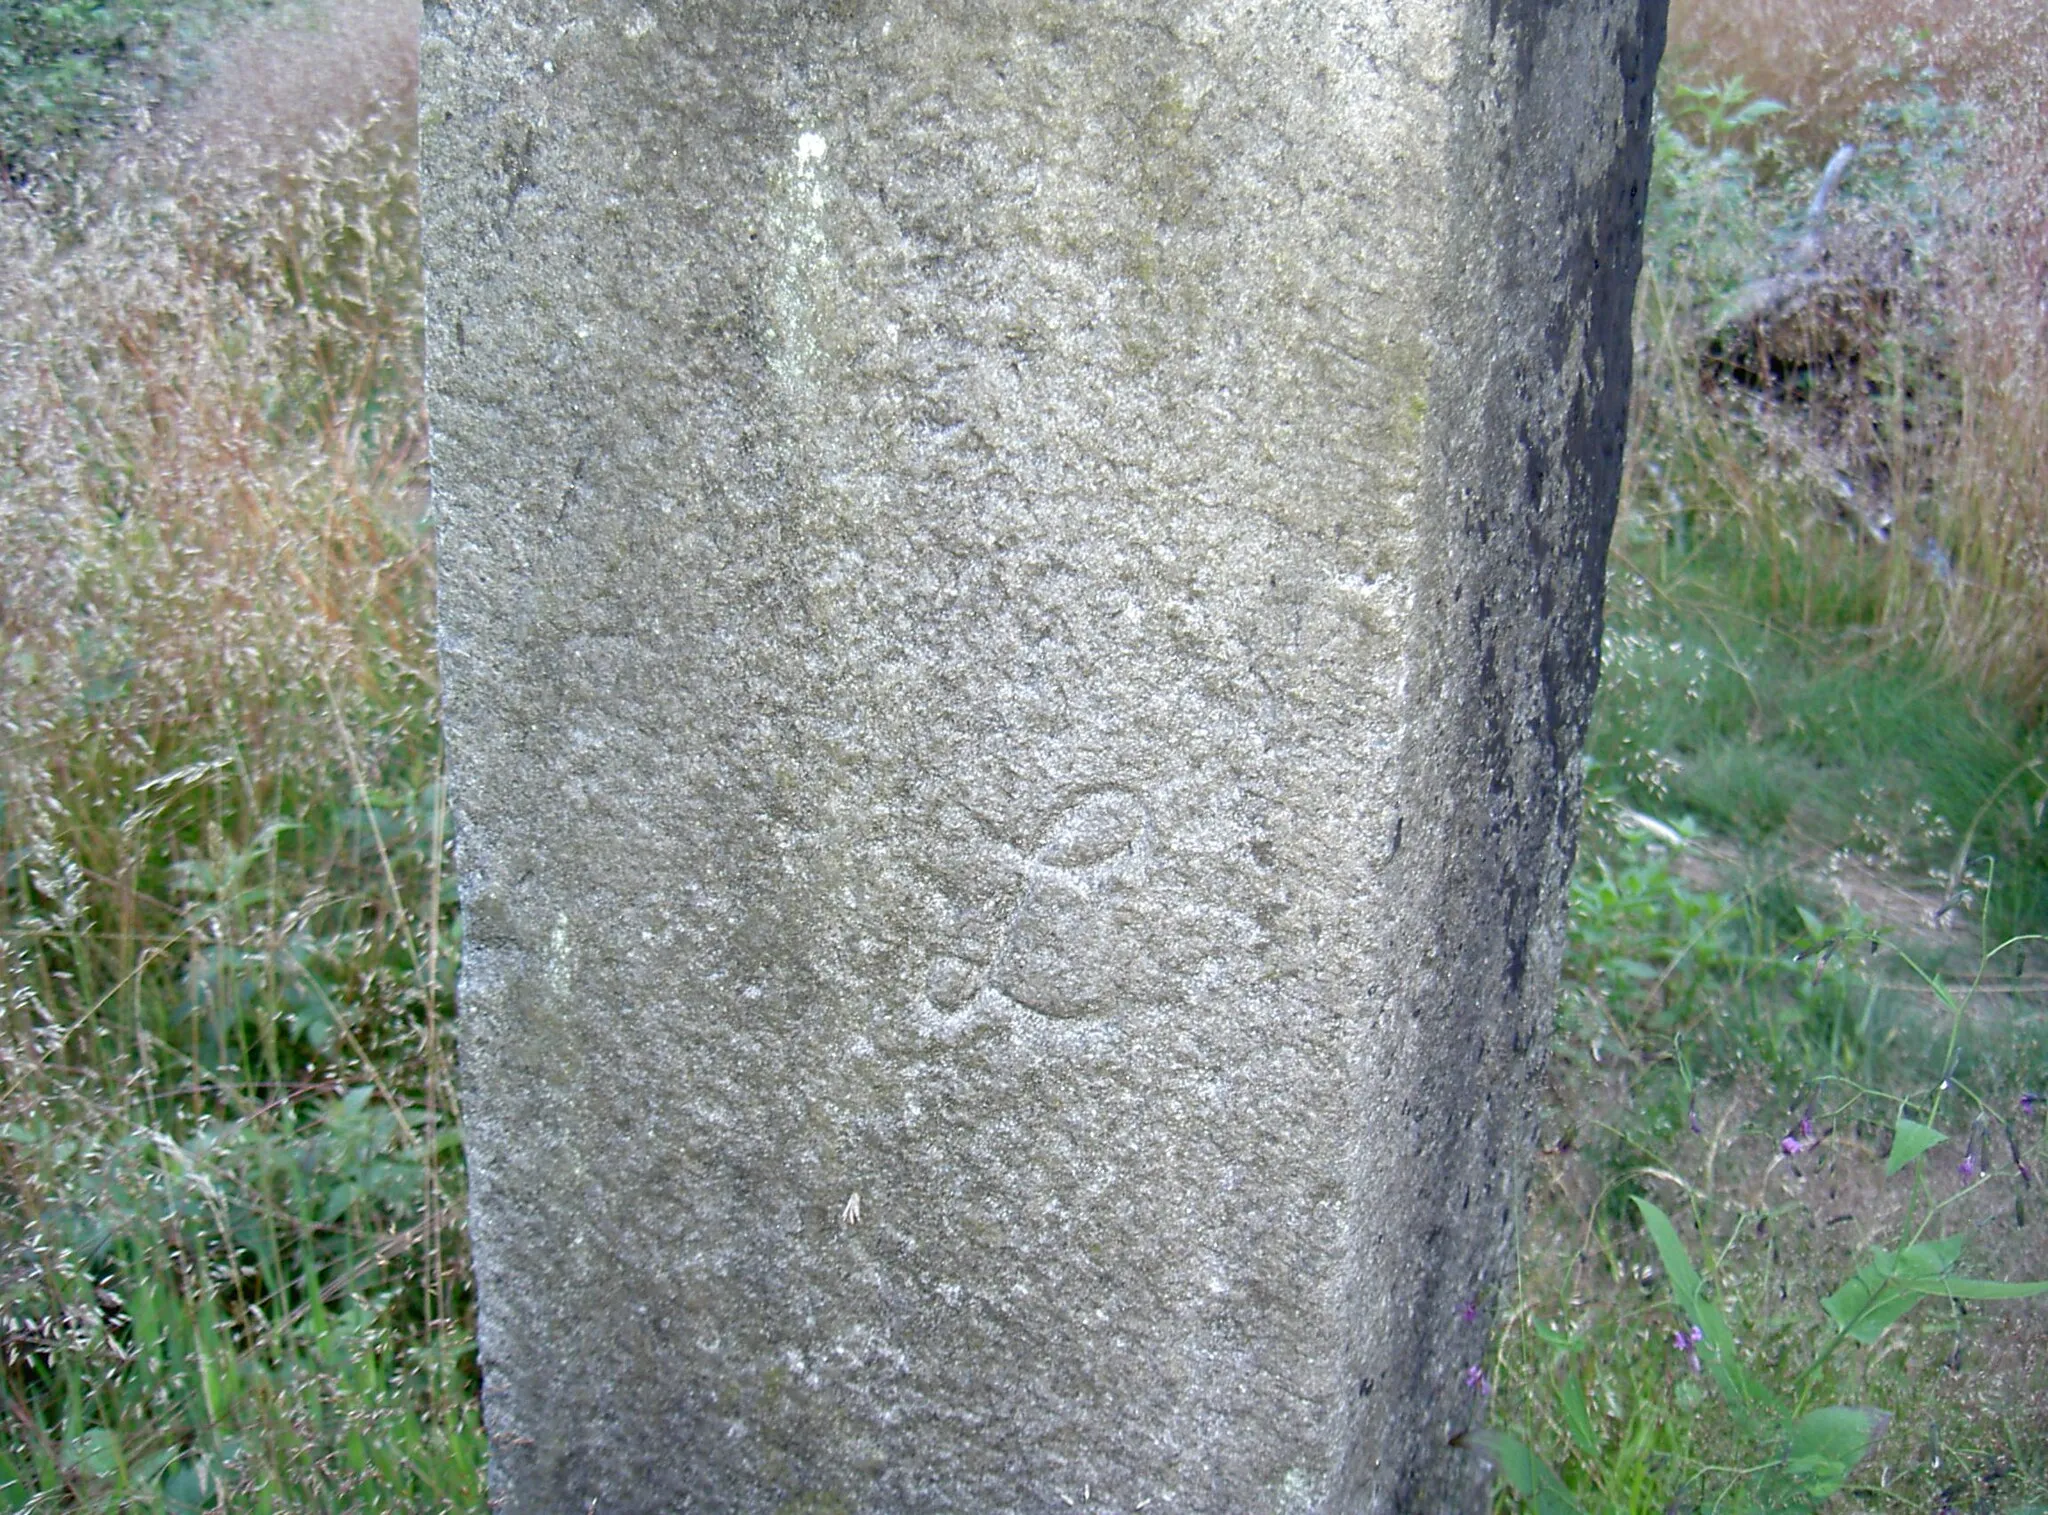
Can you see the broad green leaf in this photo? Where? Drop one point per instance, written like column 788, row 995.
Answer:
column 97, row 1452
column 1826, row 1445
column 1930, row 1259
column 1717, row 1346
column 1977, row 1288
column 1910, row 1139
column 1871, row 1299
column 1891, row 1283
column 1526, row 1473
column 1571, row 1403
column 1685, row 1279
column 1754, row 112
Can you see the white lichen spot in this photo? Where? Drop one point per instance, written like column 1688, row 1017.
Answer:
column 1297, row 1491
column 810, row 152
column 804, row 280
column 559, row 967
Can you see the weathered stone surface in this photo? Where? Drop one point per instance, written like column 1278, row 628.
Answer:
column 1020, row 587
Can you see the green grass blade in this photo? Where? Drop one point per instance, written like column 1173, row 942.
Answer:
column 1571, row 1404
column 1526, row 1473
column 1744, row 1392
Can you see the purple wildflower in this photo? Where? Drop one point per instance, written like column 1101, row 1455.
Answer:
column 1688, row 1342
column 2029, row 1103
column 1469, row 1311
column 1806, row 1129
column 1791, row 1146
column 1968, row 1166
column 1475, row 1378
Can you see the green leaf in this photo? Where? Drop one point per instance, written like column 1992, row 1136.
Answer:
column 1556, row 1338
column 1526, row 1473
column 1685, row 1279
column 96, row 1452
column 1891, row 1283
column 1754, row 112
column 189, row 1488
column 1930, row 1259
column 1910, row 1139
column 340, row 1202
column 1571, row 1403
column 1977, row 1288
column 1826, row 1445
column 1871, row 1299
column 1717, row 1352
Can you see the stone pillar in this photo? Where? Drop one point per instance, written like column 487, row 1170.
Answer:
column 1020, row 590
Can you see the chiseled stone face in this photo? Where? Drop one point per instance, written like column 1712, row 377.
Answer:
column 1020, row 589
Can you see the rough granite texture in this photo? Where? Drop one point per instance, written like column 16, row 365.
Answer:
column 1020, row 590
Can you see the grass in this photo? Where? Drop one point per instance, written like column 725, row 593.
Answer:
column 1813, row 880
column 1805, row 925
column 73, row 73
column 233, row 1273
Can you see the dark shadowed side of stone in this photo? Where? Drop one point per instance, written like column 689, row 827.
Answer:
column 1020, row 591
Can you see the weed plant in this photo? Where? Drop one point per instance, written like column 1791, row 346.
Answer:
column 231, row 1268
column 1786, row 1207
column 1825, row 602
column 1794, row 1110
column 74, row 72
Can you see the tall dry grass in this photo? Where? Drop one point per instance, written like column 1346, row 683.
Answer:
column 231, row 1264
column 212, row 425
column 1828, row 59
column 1996, row 623
column 1941, row 250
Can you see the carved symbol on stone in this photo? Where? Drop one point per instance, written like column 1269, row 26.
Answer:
column 1073, row 947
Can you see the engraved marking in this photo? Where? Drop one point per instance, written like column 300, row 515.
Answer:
column 1074, row 947
column 1099, row 828
column 952, row 981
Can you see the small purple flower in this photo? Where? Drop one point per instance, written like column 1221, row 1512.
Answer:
column 1806, row 1129
column 1469, row 1311
column 1475, row 1379
column 1688, row 1342
column 2029, row 1103
column 1967, row 1168
column 1791, row 1146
